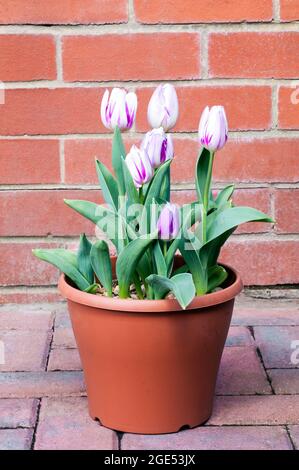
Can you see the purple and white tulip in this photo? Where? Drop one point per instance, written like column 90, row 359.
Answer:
column 118, row 109
column 158, row 146
column 213, row 128
column 169, row 222
column 163, row 107
column 139, row 166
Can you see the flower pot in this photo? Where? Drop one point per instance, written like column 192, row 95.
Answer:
column 149, row 366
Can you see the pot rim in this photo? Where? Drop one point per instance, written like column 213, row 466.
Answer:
column 151, row 306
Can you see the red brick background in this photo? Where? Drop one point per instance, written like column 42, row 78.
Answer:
column 56, row 60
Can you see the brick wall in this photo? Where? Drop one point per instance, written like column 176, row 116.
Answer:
column 57, row 57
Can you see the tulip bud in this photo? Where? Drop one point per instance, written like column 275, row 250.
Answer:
column 139, row 166
column 163, row 108
column 169, row 222
column 158, row 146
column 118, row 109
column 213, row 128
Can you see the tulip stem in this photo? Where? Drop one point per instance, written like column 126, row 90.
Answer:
column 206, row 195
column 165, row 248
column 141, row 199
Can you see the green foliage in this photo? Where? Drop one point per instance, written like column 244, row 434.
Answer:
column 142, row 259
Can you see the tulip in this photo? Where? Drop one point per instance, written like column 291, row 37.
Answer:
column 139, row 166
column 158, row 146
column 118, row 109
column 213, row 128
column 169, row 222
column 163, row 108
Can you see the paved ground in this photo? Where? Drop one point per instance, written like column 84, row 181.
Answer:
column 42, row 394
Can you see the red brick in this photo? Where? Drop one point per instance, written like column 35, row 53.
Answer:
column 213, row 438
column 239, row 336
column 68, row 12
column 289, row 10
column 288, row 107
column 64, row 338
column 29, row 296
column 233, row 379
column 284, row 381
column 266, row 312
column 27, row 57
column 20, row 267
column 202, row 11
column 41, row 384
column 17, row 413
column 24, row 212
column 287, row 210
column 102, row 57
column 25, row 350
column 64, row 359
column 25, row 319
column 65, row 424
column 29, row 161
column 241, row 161
column 277, row 345
column 247, row 107
column 264, row 262
column 51, row 111
column 15, row 439
column 257, row 160
column 254, row 55
column 81, row 153
column 256, row 410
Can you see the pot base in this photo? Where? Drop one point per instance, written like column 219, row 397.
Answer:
column 155, row 431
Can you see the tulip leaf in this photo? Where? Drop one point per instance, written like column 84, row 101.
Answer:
column 202, row 166
column 108, row 185
column 154, row 188
column 165, row 187
column 131, row 191
column 190, row 254
column 224, row 195
column 83, row 258
column 230, row 218
column 216, row 276
column 181, row 285
column 66, row 261
column 128, row 260
column 118, row 152
column 160, row 264
column 101, row 263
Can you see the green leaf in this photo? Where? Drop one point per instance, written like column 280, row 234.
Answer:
column 160, row 264
column 217, row 275
column 92, row 288
column 108, row 185
column 128, row 260
column 83, row 258
column 101, row 263
column 202, row 166
column 224, row 195
column 131, row 191
column 165, row 188
column 106, row 219
column 66, row 261
column 230, row 218
column 155, row 186
column 118, row 151
column 181, row 285
column 190, row 255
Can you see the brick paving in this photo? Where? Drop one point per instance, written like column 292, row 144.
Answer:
column 43, row 402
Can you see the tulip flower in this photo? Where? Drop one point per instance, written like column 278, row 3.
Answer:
column 139, row 166
column 118, row 109
column 158, row 146
column 169, row 222
column 213, row 128
column 163, row 108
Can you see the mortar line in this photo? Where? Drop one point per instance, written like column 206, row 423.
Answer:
column 276, row 11
column 204, row 54
column 36, row 423
column 290, row 437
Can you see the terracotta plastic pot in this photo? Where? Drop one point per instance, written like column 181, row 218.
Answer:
column 149, row 366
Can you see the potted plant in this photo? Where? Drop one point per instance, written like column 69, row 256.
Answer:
column 151, row 322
